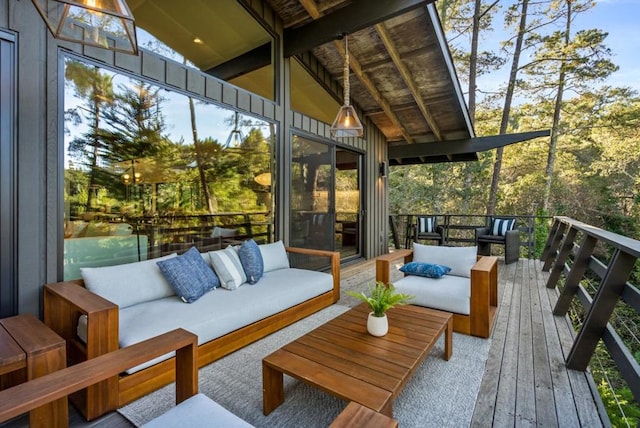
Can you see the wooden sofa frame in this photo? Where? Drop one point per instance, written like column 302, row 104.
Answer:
column 64, row 302
column 40, row 391
column 484, row 291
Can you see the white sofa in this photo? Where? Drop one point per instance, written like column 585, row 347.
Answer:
column 123, row 305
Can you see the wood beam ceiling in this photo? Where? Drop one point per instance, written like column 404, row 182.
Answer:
column 357, row 15
column 312, row 9
column 408, row 80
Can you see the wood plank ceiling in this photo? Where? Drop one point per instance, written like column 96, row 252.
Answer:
column 402, row 75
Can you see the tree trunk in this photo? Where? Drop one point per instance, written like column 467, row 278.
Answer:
column 196, row 145
column 506, row 111
column 551, row 158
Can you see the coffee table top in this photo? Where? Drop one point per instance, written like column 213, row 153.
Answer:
column 341, row 358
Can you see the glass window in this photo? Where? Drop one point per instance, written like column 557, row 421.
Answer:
column 150, row 171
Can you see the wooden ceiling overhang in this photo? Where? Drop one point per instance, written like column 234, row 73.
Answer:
column 402, row 74
column 457, row 150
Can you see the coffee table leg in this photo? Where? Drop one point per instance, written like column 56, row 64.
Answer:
column 448, row 340
column 272, row 388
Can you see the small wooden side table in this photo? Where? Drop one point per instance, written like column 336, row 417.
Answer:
column 356, row 415
column 29, row 349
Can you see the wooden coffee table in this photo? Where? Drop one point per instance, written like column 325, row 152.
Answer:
column 341, row 358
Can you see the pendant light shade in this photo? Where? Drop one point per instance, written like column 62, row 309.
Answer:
column 105, row 24
column 346, row 123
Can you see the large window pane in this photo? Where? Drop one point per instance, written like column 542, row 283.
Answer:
column 150, row 171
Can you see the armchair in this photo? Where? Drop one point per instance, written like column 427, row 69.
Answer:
column 425, row 229
column 501, row 231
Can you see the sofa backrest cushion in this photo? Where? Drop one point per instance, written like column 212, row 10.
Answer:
column 274, row 256
column 459, row 259
column 129, row 284
column 228, row 267
column 251, row 259
column 189, row 275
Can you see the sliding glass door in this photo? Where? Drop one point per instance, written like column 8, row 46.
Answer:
column 325, row 197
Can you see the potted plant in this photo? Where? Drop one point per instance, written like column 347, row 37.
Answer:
column 381, row 298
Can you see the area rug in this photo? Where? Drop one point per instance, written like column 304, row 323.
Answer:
column 440, row 394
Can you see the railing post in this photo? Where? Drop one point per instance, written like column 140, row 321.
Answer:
column 563, row 255
column 601, row 309
column 553, row 245
column 547, row 245
column 580, row 265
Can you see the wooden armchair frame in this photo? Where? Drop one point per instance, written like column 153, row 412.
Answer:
column 40, row 391
column 484, row 291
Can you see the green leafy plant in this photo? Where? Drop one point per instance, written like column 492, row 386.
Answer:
column 382, row 298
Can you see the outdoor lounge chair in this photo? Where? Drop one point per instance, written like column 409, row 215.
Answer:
column 192, row 409
column 501, row 231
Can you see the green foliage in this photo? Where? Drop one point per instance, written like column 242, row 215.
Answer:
column 382, row 298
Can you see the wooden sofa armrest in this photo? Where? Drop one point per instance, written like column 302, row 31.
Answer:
column 384, row 262
column 37, row 392
column 64, row 302
column 484, row 294
column 334, row 256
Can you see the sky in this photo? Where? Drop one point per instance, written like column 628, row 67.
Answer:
column 619, row 18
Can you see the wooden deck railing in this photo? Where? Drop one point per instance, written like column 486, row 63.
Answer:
column 459, row 229
column 576, row 250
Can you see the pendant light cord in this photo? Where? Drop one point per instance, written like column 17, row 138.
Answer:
column 346, row 70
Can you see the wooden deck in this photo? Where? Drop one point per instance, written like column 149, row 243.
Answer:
column 526, row 382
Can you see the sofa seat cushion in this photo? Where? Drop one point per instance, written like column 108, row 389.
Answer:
column 449, row 293
column 221, row 311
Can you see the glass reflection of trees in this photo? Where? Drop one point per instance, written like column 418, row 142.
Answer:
column 154, row 160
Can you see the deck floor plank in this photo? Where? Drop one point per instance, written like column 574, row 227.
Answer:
column 525, row 386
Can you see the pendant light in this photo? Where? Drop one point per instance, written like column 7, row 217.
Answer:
column 346, row 123
column 107, row 24
column 235, row 137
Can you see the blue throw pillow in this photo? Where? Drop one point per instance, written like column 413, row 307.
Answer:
column 251, row 259
column 500, row 226
column 428, row 270
column 189, row 275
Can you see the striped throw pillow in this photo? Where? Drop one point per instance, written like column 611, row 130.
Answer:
column 426, row 224
column 500, row 226
column 228, row 267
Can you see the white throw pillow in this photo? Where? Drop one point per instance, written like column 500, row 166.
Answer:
column 274, row 256
column 459, row 259
column 228, row 267
column 129, row 284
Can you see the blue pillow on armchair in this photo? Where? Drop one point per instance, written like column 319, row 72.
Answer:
column 428, row 270
column 189, row 275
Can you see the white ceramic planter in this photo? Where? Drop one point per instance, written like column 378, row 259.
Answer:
column 377, row 326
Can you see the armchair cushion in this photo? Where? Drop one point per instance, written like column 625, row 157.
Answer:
column 427, row 270
column 459, row 259
column 449, row 293
column 500, row 226
column 426, row 225
column 189, row 275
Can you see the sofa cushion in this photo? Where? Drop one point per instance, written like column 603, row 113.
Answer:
column 251, row 259
column 274, row 256
column 189, row 275
column 195, row 412
column 500, row 226
column 128, row 284
column 459, row 259
column 221, row 311
column 228, row 267
column 427, row 270
column 449, row 293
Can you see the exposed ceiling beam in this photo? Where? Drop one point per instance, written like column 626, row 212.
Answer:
column 408, row 80
column 312, row 9
column 461, row 147
column 357, row 15
column 243, row 64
